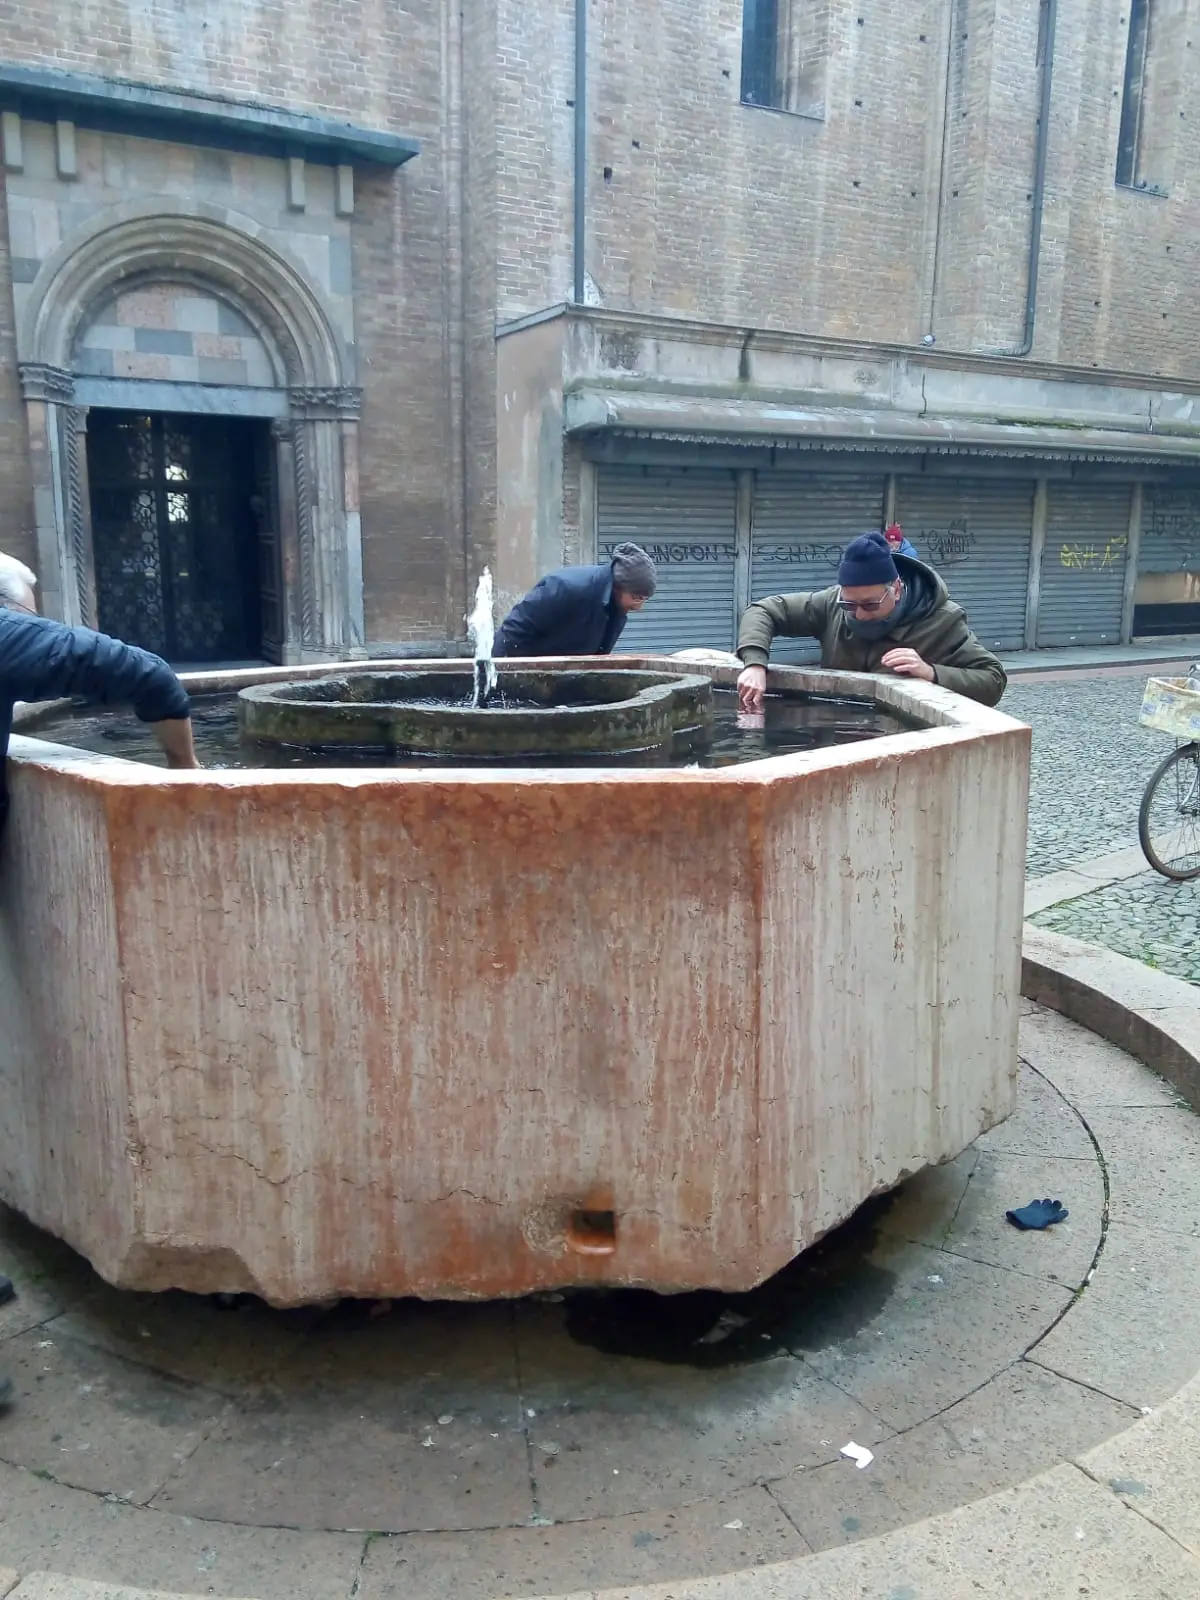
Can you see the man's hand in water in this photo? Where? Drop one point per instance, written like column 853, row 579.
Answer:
column 175, row 736
column 908, row 664
column 752, row 687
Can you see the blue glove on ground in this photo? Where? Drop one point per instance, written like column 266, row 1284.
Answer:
column 1038, row 1214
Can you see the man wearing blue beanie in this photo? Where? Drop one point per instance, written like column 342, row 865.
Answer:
column 887, row 613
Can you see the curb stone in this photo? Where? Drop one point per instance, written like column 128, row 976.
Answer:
column 1154, row 1017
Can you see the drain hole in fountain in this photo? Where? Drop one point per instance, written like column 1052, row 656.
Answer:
column 592, row 1233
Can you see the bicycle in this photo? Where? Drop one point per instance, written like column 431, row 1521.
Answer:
column 1169, row 815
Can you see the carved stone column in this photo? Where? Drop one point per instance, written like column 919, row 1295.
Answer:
column 78, row 506
column 60, row 494
column 283, row 431
column 328, row 576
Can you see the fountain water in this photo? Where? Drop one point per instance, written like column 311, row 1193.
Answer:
column 481, row 626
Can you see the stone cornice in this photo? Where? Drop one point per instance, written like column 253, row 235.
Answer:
column 119, row 106
column 42, row 382
column 326, row 404
column 722, row 335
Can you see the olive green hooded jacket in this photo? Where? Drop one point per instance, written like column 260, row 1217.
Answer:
column 932, row 625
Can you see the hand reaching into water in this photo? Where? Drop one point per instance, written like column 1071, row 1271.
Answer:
column 752, row 688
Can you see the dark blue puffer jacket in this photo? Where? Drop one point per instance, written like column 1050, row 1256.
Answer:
column 571, row 612
column 45, row 660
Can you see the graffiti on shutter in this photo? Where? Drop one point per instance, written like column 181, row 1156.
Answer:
column 1083, row 565
column 1170, row 530
column 977, row 535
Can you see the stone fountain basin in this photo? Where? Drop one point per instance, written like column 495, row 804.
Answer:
column 430, row 711
column 452, row 1032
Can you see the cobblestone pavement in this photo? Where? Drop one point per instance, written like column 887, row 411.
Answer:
column 1148, row 918
column 1091, row 762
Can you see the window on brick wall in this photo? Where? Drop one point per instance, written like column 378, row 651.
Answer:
column 785, row 54
column 1151, row 101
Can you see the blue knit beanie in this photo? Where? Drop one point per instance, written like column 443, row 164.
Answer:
column 865, row 562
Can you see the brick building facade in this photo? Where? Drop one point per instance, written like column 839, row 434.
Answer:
column 295, row 316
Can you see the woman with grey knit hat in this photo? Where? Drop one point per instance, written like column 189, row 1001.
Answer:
column 579, row 611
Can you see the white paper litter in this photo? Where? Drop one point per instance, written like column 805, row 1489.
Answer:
column 855, row 1452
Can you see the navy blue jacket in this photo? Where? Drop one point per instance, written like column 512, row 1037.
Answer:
column 571, row 612
column 45, row 660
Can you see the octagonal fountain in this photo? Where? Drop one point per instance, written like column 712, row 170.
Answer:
column 457, row 1029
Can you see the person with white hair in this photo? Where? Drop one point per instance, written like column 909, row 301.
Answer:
column 41, row 659
column 17, row 583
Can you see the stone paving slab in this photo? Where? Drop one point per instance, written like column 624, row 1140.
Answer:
column 1104, row 1075
column 1037, row 1127
column 1154, row 1166
column 51, row 1277
column 399, row 1464
column 1153, row 1467
column 924, row 1208
column 1063, row 1254
column 1022, row 1422
column 1133, row 1334
column 603, row 1449
column 1059, row 1534
column 43, row 1522
column 932, row 1354
column 747, row 1529
column 54, row 1586
column 95, row 1422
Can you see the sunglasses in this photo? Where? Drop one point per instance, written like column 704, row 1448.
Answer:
column 869, row 606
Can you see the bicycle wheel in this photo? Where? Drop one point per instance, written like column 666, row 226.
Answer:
column 1169, row 819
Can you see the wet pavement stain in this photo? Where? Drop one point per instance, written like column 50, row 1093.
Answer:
column 823, row 1297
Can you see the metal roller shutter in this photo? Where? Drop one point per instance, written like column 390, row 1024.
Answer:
column 686, row 519
column 976, row 534
column 1170, row 530
column 1083, row 566
column 802, row 523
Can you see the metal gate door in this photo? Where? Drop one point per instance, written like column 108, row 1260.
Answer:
column 174, row 535
column 977, row 534
column 1168, row 591
column 802, row 521
column 1083, row 567
column 684, row 517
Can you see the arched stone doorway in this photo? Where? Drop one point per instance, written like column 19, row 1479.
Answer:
column 182, row 326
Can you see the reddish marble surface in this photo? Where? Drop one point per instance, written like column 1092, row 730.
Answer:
column 376, row 1033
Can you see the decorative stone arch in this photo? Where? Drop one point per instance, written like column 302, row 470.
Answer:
column 315, row 425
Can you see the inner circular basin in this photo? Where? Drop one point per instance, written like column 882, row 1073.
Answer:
column 537, row 711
